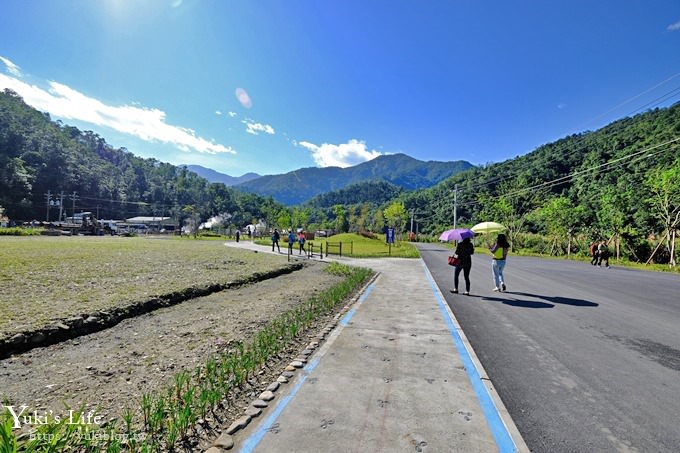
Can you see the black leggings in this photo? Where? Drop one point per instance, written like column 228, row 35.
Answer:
column 466, row 273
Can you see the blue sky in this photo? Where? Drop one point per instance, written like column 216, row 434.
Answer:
column 272, row 86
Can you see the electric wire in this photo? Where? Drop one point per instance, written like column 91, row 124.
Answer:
column 657, row 101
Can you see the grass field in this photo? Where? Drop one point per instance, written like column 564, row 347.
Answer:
column 43, row 278
column 358, row 246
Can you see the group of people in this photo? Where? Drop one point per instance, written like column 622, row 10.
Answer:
column 464, row 251
column 599, row 253
column 292, row 239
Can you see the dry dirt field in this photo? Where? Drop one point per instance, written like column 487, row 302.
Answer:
column 111, row 369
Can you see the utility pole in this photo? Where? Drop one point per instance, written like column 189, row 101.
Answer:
column 48, row 197
column 73, row 199
column 455, row 205
column 61, row 205
column 413, row 215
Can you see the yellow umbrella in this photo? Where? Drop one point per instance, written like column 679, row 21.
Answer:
column 488, row 227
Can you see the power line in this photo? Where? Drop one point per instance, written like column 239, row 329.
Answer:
column 600, row 168
column 669, row 94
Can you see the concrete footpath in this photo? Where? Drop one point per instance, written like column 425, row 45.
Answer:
column 397, row 374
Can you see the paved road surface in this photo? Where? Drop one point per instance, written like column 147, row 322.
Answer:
column 586, row 359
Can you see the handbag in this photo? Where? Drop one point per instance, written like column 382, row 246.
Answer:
column 453, row 261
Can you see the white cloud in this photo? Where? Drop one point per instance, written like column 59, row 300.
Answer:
column 343, row 155
column 255, row 128
column 11, row 67
column 232, row 114
column 218, row 112
column 673, row 27
column 148, row 124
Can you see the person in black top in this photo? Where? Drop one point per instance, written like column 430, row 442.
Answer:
column 464, row 252
column 275, row 240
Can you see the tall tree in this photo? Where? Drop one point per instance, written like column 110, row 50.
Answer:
column 664, row 185
column 396, row 216
column 560, row 219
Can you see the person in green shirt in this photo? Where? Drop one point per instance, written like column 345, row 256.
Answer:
column 500, row 252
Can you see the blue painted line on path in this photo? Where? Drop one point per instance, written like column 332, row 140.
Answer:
column 251, row 442
column 498, row 429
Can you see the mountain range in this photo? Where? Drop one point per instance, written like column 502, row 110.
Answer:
column 215, row 176
column 300, row 185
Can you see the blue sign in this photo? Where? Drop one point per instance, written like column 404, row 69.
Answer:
column 390, row 235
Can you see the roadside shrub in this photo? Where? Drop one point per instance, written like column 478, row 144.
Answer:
column 336, row 268
column 19, row 231
column 368, row 234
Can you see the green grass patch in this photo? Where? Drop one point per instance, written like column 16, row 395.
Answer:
column 20, row 231
column 358, row 246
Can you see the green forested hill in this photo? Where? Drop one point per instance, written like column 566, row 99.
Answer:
column 40, row 157
column 374, row 192
column 398, row 169
column 620, row 181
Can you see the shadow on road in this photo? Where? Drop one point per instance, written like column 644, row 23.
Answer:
column 520, row 303
column 562, row 300
column 549, row 301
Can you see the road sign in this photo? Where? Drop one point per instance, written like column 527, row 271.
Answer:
column 390, row 235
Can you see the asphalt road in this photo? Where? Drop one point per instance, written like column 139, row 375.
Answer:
column 586, row 359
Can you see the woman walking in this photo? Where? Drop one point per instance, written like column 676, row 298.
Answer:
column 500, row 252
column 464, row 252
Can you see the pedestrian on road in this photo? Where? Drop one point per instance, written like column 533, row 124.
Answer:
column 301, row 241
column 275, row 240
column 464, row 252
column 500, row 252
column 603, row 254
column 291, row 241
column 238, row 235
column 593, row 252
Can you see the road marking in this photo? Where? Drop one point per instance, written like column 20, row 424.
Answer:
column 254, row 439
column 498, row 427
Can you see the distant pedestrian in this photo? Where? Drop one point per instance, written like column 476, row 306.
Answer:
column 238, row 235
column 500, row 252
column 301, row 241
column 464, row 252
column 593, row 253
column 603, row 254
column 275, row 240
column 291, row 241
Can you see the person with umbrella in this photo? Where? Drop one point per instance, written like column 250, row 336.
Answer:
column 464, row 252
column 500, row 252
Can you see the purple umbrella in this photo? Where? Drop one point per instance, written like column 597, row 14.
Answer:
column 457, row 234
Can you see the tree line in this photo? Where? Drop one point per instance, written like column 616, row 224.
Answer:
column 619, row 183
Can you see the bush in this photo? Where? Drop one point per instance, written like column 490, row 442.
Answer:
column 368, row 234
column 19, row 231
